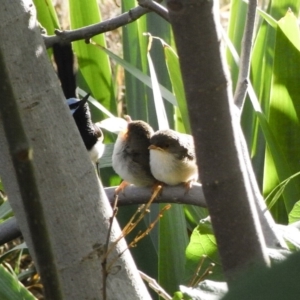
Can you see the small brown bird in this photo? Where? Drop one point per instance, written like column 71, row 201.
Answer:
column 130, row 157
column 172, row 157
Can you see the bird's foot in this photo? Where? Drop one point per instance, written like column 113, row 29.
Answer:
column 121, row 187
column 188, row 185
column 157, row 188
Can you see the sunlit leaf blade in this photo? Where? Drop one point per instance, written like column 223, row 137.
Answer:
column 275, row 155
column 158, row 27
column 261, row 70
column 172, row 62
column 261, row 75
column 94, row 66
column 140, row 76
column 101, row 107
column 275, row 194
column 294, row 215
column 263, row 50
column 284, row 110
column 158, row 101
column 275, row 197
column 236, row 25
column 134, row 51
column 113, row 124
column 271, row 21
column 289, row 26
column 171, row 260
column 46, row 15
column 11, row 288
column 193, row 214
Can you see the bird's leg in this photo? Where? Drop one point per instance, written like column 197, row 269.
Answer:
column 157, row 188
column 121, row 187
column 188, row 185
column 98, row 168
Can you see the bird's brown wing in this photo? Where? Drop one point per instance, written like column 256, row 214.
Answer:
column 187, row 147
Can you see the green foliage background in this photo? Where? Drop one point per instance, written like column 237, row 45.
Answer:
column 270, row 117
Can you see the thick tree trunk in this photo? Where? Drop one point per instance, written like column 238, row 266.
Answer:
column 72, row 200
column 223, row 172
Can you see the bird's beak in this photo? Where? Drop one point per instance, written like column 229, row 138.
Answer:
column 127, row 118
column 83, row 100
column 124, row 134
column 153, row 147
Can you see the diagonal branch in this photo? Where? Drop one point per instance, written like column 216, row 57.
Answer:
column 156, row 7
column 87, row 32
column 244, row 64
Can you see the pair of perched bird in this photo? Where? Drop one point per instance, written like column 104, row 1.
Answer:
column 140, row 157
column 143, row 157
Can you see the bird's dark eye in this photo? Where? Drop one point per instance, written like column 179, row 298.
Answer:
column 167, row 145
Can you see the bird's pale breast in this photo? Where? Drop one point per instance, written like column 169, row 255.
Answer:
column 166, row 168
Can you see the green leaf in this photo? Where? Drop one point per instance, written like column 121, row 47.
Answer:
column 21, row 247
column 11, row 288
column 261, row 77
column 98, row 105
column 294, row 215
column 271, row 21
column 172, row 62
column 46, row 15
column 172, row 244
column 289, row 27
column 134, row 51
column 5, row 210
column 284, row 111
column 203, row 246
column 238, row 10
column 140, row 76
column 158, row 101
column 275, row 194
column 94, row 67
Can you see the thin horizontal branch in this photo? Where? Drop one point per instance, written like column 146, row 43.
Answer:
column 9, row 229
column 170, row 194
column 85, row 33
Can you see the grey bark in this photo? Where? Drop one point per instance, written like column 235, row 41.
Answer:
column 74, row 204
column 223, row 172
column 272, row 237
column 85, row 33
column 244, row 65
